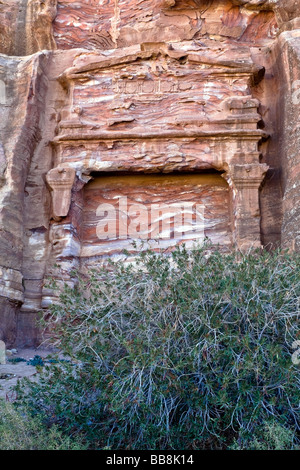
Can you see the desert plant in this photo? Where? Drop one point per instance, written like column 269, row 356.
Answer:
column 19, row 431
column 270, row 436
column 190, row 350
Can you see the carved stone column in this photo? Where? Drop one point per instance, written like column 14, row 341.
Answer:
column 245, row 181
column 64, row 235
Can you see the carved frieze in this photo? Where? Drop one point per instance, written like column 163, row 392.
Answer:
column 159, row 98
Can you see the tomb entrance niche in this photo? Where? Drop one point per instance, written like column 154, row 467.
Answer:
column 135, row 212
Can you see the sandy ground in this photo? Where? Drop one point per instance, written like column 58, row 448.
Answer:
column 11, row 372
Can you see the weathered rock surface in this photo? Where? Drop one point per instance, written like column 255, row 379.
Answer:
column 147, row 207
column 157, row 102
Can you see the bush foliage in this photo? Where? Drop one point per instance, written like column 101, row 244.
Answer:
column 187, row 351
column 270, row 436
column 19, row 431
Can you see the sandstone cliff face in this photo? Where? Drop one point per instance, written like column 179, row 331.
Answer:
column 162, row 104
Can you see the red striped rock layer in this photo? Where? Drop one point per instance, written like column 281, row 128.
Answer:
column 144, row 211
column 108, row 24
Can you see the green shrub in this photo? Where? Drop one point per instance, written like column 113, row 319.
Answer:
column 271, row 436
column 19, row 431
column 193, row 350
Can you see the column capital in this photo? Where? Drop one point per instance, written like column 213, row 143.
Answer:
column 246, row 176
column 61, row 181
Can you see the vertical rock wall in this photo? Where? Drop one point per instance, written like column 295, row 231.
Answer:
column 288, row 51
column 22, row 107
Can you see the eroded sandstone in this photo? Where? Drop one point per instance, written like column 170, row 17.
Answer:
column 153, row 102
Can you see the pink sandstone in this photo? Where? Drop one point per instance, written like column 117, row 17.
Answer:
column 158, row 102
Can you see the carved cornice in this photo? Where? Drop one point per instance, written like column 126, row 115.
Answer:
column 141, row 134
column 146, row 51
column 250, row 4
